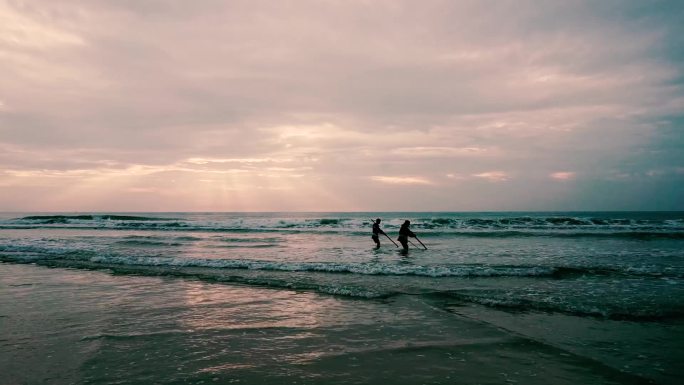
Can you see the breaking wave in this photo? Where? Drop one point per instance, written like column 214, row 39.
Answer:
column 56, row 219
column 451, row 300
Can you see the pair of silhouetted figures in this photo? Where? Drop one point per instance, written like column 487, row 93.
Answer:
column 404, row 234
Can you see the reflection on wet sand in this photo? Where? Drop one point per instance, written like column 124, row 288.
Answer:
column 220, row 307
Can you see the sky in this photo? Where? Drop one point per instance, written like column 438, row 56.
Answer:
column 346, row 105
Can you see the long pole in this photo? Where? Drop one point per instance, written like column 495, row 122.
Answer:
column 421, row 243
column 391, row 240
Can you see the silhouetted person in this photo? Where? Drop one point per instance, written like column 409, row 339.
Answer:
column 376, row 233
column 404, row 233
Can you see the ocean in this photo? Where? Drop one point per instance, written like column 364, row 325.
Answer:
column 306, row 298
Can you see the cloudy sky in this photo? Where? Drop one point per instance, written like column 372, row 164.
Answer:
column 342, row 105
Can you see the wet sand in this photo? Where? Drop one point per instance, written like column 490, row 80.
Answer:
column 66, row 326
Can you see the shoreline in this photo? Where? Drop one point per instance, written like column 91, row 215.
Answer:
column 274, row 335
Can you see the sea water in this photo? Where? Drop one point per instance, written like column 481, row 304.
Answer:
column 271, row 297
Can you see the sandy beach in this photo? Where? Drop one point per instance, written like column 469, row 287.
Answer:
column 65, row 326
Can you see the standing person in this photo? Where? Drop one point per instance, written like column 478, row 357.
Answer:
column 376, row 233
column 404, row 233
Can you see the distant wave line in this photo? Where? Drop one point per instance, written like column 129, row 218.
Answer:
column 638, row 234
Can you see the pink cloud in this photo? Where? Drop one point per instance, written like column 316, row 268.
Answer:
column 400, row 180
column 493, row 176
column 563, row 175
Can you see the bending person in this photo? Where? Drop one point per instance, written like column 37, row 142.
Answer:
column 404, row 233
